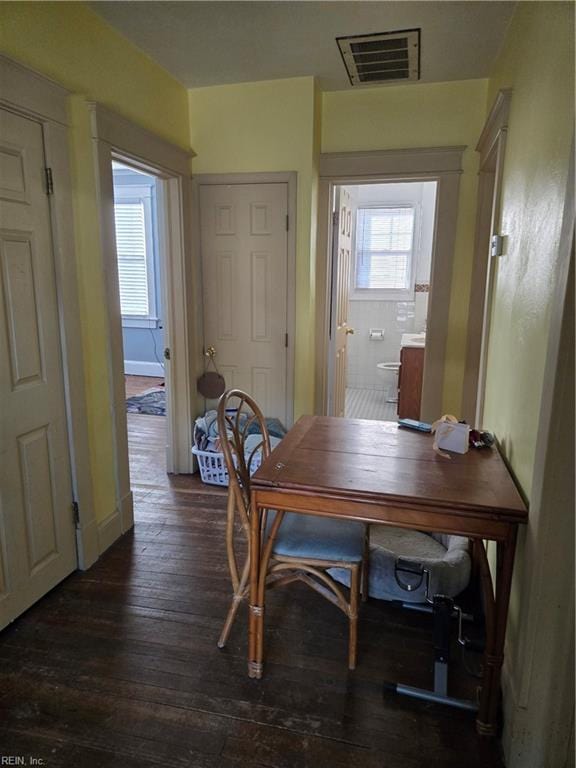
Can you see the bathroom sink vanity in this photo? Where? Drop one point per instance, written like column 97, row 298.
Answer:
column 410, row 376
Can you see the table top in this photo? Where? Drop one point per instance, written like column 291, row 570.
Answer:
column 378, row 462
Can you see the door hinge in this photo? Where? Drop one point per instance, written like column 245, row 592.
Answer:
column 335, row 217
column 76, row 512
column 49, row 181
column 286, row 340
column 287, row 223
column 167, row 354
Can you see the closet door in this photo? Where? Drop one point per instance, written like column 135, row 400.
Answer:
column 244, row 244
column 37, row 530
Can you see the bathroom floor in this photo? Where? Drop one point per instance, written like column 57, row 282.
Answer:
column 369, row 404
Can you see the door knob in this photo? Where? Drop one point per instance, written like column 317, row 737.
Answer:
column 210, row 352
column 349, row 331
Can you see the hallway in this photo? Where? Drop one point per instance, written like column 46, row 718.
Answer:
column 118, row 666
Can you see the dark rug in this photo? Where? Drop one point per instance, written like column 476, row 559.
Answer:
column 152, row 403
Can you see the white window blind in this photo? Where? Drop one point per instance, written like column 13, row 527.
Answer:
column 132, row 258
column 384, row 239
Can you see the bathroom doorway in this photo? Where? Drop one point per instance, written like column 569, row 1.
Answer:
column 382, row 248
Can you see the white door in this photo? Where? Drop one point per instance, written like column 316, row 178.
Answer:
column 244, row 279
column 344, row 224
column 37, row 532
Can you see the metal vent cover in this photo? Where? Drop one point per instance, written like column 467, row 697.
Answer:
column 381, row 58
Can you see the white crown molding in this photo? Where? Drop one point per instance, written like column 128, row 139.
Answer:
column 138, row 142
column 32, row 92
column 387, row 162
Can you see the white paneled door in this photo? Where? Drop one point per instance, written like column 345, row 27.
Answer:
column 37, row 531
column 244, row 281
column 345, row 208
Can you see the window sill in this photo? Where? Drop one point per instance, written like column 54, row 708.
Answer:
column 372, row 294
column 141, row 322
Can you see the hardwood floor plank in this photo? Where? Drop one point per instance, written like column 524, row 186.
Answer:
column 118, row 666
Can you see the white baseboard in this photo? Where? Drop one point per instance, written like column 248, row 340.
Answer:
column 139, row 368
column 117, row 523
column 109, row 530
column 87, row 544
column 127, row 512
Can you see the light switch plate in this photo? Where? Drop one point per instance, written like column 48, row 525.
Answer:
column 497, row 245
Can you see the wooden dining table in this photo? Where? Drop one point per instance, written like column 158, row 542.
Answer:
column 376, row 472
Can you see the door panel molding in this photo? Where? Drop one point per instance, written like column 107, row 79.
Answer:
column 440, row 164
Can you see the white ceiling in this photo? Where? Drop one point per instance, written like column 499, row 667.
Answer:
column 218, row 42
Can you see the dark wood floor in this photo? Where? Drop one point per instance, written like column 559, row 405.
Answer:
column 118, row 666
column 135, row 385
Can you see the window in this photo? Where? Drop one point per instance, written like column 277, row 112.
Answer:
column 135, row 250
column 384, row 250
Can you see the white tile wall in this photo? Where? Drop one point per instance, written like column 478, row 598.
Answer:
column 364, row 353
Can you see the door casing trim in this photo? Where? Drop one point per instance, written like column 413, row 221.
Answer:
column 440, row 164
column 491, row 148
column 115, row 137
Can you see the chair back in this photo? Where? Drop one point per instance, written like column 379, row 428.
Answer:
column 239, row 417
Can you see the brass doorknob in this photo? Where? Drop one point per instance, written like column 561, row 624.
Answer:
column 349, row 331
column 210, row 352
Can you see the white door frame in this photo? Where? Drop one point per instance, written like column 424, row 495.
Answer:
column 491, row 148
column 35, row 97
column 289, row 178
column 116, row 138
column 440, row 164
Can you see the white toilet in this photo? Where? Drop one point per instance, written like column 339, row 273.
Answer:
column 390, row 372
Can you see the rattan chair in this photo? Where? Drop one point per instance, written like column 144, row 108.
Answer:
column 295, row 547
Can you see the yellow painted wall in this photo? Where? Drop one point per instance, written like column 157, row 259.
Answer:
column 537, row 63
column 423, row 115
column 70, row 44
column 268, row 126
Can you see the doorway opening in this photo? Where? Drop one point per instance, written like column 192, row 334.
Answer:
column 138, row 217
column 382, row 251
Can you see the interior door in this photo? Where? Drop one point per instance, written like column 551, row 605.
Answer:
column 244, row 245
column 37, row 531
column 345, row 210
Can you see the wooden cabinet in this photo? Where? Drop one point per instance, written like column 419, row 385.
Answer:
column 410, row 382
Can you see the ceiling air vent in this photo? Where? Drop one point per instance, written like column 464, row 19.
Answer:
column 382, row 58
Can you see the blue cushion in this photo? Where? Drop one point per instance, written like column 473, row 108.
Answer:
column 319, row 538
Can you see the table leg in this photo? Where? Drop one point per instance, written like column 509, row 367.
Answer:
column 494, row 656
column 255, row 627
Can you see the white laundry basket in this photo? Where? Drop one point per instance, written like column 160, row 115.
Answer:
column 213, row 465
